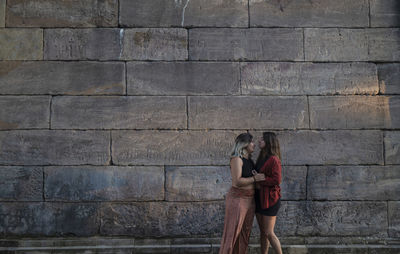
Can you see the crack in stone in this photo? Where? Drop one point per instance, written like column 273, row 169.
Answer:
column 179, row 2
column 121, row 42
column 183, row 12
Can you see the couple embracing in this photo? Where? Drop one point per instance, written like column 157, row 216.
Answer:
column 255, row 190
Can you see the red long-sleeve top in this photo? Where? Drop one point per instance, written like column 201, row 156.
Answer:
column 270, row 191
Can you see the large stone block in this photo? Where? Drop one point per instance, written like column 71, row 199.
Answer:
column 293, row 185
column 247, row 112
column 392, row 147
column 51, row 77
column 20, row 112
column 354, row 112
column 385, row 13
column 200, row 183
column 44, row 147
column 21, row 183
column 83, row 44
column 331, row 147
column 353, row 183
column 306, row 218
column 116, row 44
column 193, row 183
column 308, row 78
column 278, row 44
column 213, row 147
column 161, row 13
column 118, row 112
column 2, row 13
column 384, row 44
column 394, row 218
column 162, row 219
column 50, row 219
column 393, row 103
column 137, row 112
column 21, row 44
column 335, row 44
column 389, row 78
column 57, row 13
column 305, row 13
column 90, row 183
column 183, row 78
column 171, row 147
column 154, row 44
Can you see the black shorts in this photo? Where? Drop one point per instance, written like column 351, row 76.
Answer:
column 270, row 211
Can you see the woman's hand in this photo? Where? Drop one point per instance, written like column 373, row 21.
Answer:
column 259, row 177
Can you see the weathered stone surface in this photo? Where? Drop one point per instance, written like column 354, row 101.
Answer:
column 306, row 218
column 389, row 78
column 353, row 183
column 51, row 77
column 2, row 13
column 334, row 44
column 90, row 183
column 392, row 147
column 19, row 112
column 213, row 147
column 171, row 147
column 161, row 13
column 385, row 13
column 39, row 218
column 349, row 112
column 44, row 147
column 384, row 44
column 331, row 147
column 308, row 78
column 394, row 218
column 122, row 112
column 82, row 44
column 21, row 183
column 393, row 103
column 293, row 185
column 21, row 44
column 246, row 112
column 154, row 44
column 57, row 13
column 116, row 44
column 192, row 183
column 305, row 13
column 246, row 44
column 183, row 78
column 149, row 219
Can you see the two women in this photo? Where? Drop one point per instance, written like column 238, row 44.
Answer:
column 252, row 192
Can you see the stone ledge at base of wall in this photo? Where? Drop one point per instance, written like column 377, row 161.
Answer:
column 290, row 245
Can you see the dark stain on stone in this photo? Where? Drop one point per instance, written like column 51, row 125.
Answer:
column 8, row 66
column 141, row 38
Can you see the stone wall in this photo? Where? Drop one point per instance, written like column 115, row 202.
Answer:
column 117, row 117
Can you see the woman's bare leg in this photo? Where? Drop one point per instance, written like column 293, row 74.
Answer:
column 263, row 237
column 269, row 224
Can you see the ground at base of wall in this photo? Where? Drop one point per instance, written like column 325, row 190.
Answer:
column 290, row 245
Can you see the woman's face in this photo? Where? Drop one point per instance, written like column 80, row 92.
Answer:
column 250, row 147
column 261, row 143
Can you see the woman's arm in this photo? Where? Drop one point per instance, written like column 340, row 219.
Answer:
column 276, row 174
column 236, row 172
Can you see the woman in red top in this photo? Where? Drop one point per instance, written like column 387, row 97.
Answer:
column 268, row 192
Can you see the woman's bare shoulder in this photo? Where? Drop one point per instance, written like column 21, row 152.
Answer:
column 236, row 159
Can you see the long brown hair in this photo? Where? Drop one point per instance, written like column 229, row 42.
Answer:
column 271, row 146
